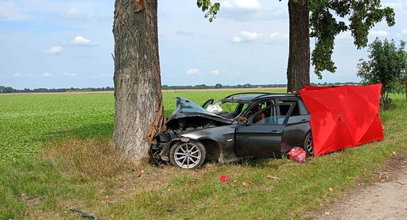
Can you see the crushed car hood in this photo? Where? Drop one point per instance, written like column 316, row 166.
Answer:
column 187, row 109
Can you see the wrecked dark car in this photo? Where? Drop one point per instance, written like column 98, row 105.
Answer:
column 242, row 125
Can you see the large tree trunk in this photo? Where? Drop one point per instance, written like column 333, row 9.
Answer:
column 298, row 69
column 138, row 98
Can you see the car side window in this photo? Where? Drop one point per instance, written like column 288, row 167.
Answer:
column 302, row 108
column 297, row 108
column 259, row 110
column 274, row 114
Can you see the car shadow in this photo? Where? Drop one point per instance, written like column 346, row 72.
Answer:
column 273, row 163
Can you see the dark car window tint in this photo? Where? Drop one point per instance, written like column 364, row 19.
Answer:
column 271, row 116
column 284, row 109
column 301, row 106
column 259, row 111
column 296, row 110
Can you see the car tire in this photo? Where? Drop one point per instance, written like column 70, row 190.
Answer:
column 309, row 144
column 187, row 155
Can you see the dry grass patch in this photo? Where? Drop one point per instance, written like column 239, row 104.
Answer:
column 99, row 175
column 91, row 158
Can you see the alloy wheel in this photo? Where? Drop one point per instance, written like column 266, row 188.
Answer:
column 187, row 155
column 309, row 144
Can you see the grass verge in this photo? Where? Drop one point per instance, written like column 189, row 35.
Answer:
column 87, row 174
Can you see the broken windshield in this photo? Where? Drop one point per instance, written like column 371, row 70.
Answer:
column 187, row 106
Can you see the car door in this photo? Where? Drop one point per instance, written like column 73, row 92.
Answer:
column 297, row 126
column 262, row 138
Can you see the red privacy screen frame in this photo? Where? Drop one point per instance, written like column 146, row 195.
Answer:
column 343, row 116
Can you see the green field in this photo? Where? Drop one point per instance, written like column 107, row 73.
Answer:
column 55, row 154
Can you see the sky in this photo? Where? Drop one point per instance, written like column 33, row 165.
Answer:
column 69, row 43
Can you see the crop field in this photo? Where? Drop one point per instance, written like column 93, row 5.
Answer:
column 56, row 155
column 28, row 121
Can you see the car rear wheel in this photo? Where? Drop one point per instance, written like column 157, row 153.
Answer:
column 188, row 155
column 309, row 145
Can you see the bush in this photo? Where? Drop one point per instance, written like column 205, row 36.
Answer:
column 387, row 64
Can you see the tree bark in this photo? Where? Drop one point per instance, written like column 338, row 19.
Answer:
column 137, row 80
column 298, row 70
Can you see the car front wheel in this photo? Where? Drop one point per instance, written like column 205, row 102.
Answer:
column 309, row 145
column 188, row 155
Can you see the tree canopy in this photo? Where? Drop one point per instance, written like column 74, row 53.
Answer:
column 328, row 19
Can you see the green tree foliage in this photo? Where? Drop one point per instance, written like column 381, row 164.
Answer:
column 387, row 64
column 328, row 19
column 218, row 86
column 210, row 9
column 6, row 89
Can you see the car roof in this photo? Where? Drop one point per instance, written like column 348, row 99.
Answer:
column 248, row 97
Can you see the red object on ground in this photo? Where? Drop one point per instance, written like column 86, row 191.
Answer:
column 343, row 116
column 224, row 179
column 297, row 154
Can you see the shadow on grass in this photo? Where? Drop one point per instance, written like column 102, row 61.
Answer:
column 273, row 163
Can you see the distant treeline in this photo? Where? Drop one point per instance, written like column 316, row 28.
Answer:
column 247, row 85
column 5, row 89
column 220, row 86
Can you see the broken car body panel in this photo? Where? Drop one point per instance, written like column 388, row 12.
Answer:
column 259, row 125
column 189, row 115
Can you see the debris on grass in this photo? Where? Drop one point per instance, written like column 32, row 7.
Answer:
column 224, row 179
column 83, row 214
column 273, row 177
column 297, row 154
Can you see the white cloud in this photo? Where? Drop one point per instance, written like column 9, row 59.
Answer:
column 404, row 31
column 192, row 71
column 277, row 36
column 347, row 35
column 379, row 33
column 73, row 13
column 246, row 36
column 253, row 10
column 250, row 35
column 70, row 74
column 17, row 74
column 10, row 12
column 236, row 39
column 47, row 74
column 242, row 4
column 215, row 72
column 54, row 50
column 82, row 41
